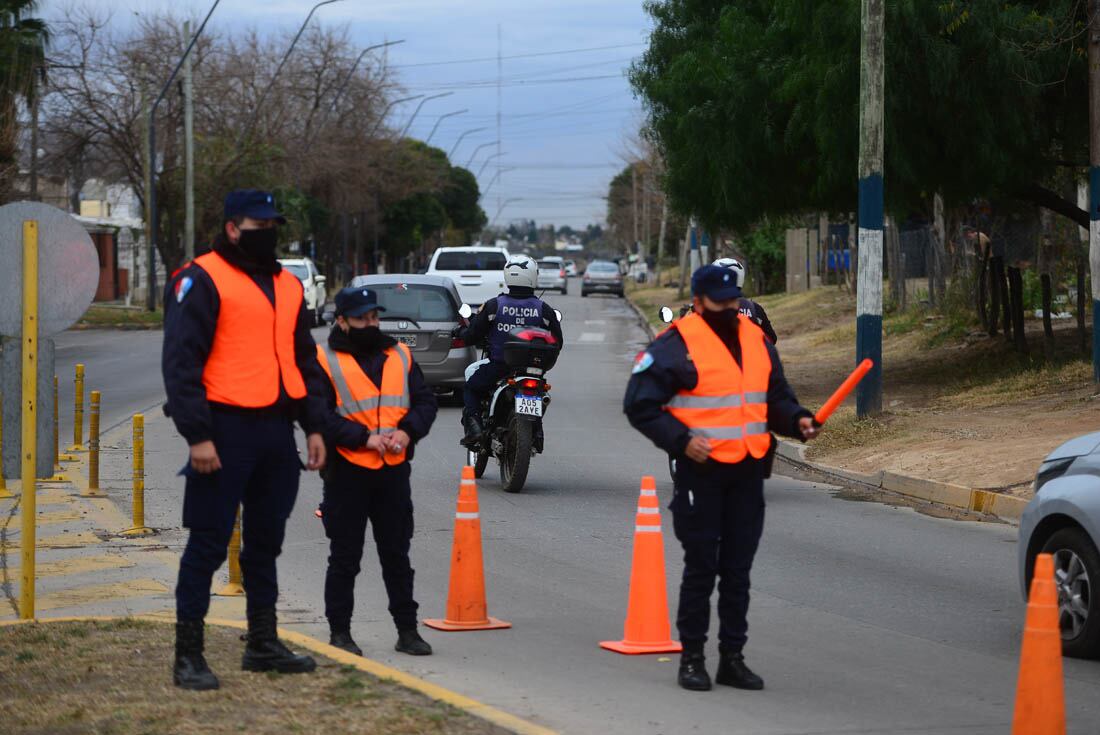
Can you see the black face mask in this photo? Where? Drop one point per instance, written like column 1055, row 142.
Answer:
column 367, row 339
column 259, row 247
column 723, row 322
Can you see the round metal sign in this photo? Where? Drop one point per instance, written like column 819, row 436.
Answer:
column 68, row 268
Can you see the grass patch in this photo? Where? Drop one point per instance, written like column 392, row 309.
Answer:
column 105, row 316
column 846, row 432
column 120, row 682
column 1031, row 382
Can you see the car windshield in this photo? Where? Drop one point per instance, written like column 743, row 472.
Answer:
column 417, row 301
column 298, row 269
column 470, row 260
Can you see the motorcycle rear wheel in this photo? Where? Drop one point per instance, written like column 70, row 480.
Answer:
column 517, row 455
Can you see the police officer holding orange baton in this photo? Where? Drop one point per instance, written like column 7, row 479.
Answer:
column 709, row 390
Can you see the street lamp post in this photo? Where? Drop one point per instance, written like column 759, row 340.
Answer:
column 486, row 163
column 494, row 180
column 405, row 130
column 151, row 194
column 460, row 138
column 386, row 111
column 279, row 69
column 351, row 72
column 501, row 208
column 478, row 150
column 441, row 119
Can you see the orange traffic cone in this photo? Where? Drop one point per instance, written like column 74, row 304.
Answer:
column 466, row 609
column 647, row 628
column 1040, row 699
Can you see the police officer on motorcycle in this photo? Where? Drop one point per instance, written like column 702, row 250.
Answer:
column 517, row 308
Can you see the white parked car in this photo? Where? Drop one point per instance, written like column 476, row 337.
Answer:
column 477, row 271
column 552, row 274
column 571, row 268
column 313, row 284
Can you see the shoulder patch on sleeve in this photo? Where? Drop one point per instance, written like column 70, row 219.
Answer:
column 183, row 285
column 642, row 362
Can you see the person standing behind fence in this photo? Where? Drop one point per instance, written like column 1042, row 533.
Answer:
column 239, row 364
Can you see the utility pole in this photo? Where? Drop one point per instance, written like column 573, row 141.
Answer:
column 188, row 154
column 634, row 201
column 661, row 240
column 500, row 80
column 869, row 273
column 1094, row 179
column 147, row 165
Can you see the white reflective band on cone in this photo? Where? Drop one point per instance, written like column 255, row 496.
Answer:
column 647, row 529
column 466, row 516
column 649, row 511
column 649, row 492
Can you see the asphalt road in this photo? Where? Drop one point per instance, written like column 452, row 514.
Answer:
column 866, row 618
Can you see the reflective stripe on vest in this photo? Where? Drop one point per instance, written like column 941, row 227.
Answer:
column 358, row 399
column 729, row 405
column 253, row 349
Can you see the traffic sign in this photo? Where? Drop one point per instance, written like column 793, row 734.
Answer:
column 68, row 268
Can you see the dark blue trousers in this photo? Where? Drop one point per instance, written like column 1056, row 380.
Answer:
column 480, row 384
column 355, row 496
column 718, row 516
column 260, row 469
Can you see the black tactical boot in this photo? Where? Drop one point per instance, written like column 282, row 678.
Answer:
column 342, row 639
column 693, row 672
column 190, row 670
column 471, row 424
column 263, row 650
column 410, row 642
column 732, row 672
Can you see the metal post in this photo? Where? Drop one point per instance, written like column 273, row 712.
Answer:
column 462, row 137
column 235, row 587
column 4, row 492
column 93, row 445
column 28, row 486
column 439, row 120
column 56, row 433
column 869, row 265
column 139, row 528
column 1094, row 177
column 188, row 154
column 78, row 408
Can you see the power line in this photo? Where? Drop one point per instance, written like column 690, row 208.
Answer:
column 518, row 56
column 514, row 83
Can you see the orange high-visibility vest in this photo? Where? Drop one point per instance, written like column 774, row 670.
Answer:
column 253, row 346
column 359, row 399
column 729, row 405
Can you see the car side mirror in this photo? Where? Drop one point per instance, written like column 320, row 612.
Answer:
column 328, row 316
column 319, row 279
column 666, row 314
column 465, row 311
column 558, row 315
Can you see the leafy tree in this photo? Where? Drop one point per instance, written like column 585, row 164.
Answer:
column 754, row 105
column 23, row 42
column 460, row 198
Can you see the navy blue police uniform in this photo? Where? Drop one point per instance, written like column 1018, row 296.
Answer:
column 717, row 508
column 355, row 495
column 259, row 459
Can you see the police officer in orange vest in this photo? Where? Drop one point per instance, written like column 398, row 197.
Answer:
column 379, row 406
column 708, row 391
column 239, row 365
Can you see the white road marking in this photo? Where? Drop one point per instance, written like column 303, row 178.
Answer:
column 591, row 337
column 595, row 321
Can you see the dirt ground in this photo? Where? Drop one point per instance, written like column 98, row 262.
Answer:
column 116, row 678
column 958, row 406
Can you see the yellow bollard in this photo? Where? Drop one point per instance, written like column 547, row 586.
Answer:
column 236, row 580
column 78, row 408
column 4, row 492
column 56, row 436
column 139, row 528
column 93, row 445
column 29, row 451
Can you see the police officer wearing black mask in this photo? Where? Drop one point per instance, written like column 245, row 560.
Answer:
column 378, row 407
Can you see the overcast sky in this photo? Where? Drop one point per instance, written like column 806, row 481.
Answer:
column 562, row 139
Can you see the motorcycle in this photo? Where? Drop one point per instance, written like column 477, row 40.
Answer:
column 512, row 414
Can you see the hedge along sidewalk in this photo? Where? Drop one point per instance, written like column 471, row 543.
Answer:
column 793, row 456
column 111, row 673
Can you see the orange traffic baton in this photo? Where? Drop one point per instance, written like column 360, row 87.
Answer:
column 647, row 628
column 842, row 392
column 466, row 607
column 1040, row 695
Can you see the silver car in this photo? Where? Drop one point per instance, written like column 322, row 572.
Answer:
column 552, row 275
column 602, row 276
column 421, row 311
column 1064, row 520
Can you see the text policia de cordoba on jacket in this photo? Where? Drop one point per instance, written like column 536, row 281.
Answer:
column 348, row 435
column 202, row 322
column 661, row 397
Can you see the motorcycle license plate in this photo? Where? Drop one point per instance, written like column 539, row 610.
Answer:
column 409, row 340
column 528, row 406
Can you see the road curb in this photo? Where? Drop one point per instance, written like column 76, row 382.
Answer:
column 501, row 720
column 642, row 318
column 1006, row 508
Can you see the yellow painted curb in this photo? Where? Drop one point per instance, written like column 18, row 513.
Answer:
column 473, row 707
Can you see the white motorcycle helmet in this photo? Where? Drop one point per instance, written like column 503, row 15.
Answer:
column 522, row 271
column 734, row 265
